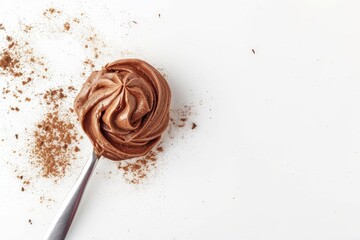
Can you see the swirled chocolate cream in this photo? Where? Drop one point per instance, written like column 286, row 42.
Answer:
column 124, row 108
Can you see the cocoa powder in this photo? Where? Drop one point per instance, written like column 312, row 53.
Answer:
column 179, row 116
column 50, row 12
column 18, row 63
column 55, row 139
column 135, row 171
column 67, row 26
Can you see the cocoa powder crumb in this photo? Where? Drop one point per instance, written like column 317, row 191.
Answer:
column 15, row 109
column 22, row 189
column 51, row 11
column 2, row 26
column 194, row 125
column 27, row 99
column 11, row 45
column 30, row 221
column 43, row 199
column 5, row 61
column 16, row 136
column 253, row 51
column 67, row 26
column 27, row 28
column 89, row 62
column 77, row 149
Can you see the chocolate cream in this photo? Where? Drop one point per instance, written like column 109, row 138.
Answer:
column 124, row 108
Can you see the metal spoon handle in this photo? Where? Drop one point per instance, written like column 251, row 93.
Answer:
column 61, row 224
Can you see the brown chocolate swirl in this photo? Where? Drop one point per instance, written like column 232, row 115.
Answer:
column 124, row 108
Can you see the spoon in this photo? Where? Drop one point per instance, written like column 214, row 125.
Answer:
column 65, row 215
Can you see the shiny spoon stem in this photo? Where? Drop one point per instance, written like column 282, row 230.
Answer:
column 62, row 222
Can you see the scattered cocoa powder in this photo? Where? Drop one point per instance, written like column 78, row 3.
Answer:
column 14, row 56
column 54, row 138
column 16, row 136
column 6, row 61
column 15, row 109
column 67, row 26
column 94, row 42
column 30, row 221
column 2, row 26
column 18, row 61
column 253, row 51
column 22, row 189
column 44, row 199
column 89, row 62
column 51, row 11
column 53, row 96
column 136, row 170
column 179, row 116
column 27, row 28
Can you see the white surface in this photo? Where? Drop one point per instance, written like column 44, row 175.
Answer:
column 276, row 151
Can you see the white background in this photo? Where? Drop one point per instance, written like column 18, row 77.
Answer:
column 276, row 151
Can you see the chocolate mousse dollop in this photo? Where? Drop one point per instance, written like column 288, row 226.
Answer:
column 124, row 108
